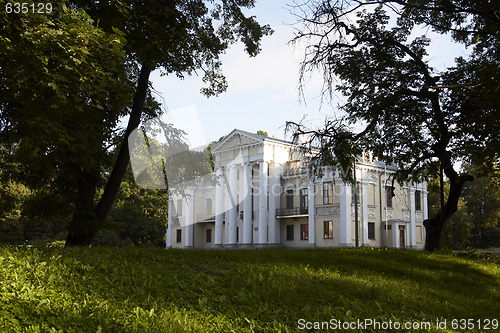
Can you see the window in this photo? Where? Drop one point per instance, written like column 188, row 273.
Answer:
column 179, row 207
column 328, row 229
column 208, row 236
column 418, row 233
column 289, row 198
column 418, row 201
column 327, row 193
column 289, row 232
column 304, row 231
column 209, row 206
column 371, row 194
column 388, row 195
column 371, row 230
column 179, row 235
column 303, row 200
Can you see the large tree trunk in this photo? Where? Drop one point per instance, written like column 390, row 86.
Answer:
column 434, row 225
column 115, row 179
column 83, row 226
column 433, row 228
column 86, row 221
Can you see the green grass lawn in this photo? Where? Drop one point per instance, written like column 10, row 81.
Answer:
column 155, row 290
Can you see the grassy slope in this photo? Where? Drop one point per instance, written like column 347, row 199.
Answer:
column 153, row 290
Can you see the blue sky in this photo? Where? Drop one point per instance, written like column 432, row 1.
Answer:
column 262, row 92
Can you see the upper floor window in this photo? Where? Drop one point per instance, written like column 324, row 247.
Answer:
column 289, row 198
column 388, row 195
column 327, row 193
column 418, row 200
column 304, row 198
column 179, row 207
column 208, row 204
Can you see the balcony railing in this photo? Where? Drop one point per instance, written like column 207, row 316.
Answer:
column 205, row 217
column 295, row 211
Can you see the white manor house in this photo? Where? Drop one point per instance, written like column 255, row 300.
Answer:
column 264, row 196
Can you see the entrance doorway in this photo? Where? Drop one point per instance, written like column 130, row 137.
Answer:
column 401, row 238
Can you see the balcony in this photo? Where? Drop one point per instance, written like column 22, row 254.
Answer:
column 291, row 212
column 205, row 218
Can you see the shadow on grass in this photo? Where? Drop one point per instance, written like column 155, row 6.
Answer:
column 131, row 289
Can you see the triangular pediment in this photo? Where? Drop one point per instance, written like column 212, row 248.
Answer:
column 236, row 139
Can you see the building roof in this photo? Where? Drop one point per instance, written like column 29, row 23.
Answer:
column 254, row 136
column 262, row 138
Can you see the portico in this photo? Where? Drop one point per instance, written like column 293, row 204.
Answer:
column 248, row 189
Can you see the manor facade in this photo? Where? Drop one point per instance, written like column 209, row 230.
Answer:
column 262, row 195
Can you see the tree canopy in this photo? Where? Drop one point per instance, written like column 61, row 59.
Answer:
column 421, row 119
column 68, row 77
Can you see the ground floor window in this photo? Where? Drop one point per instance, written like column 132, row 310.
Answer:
column 371, row 230
column 179, row 235
column 328, row 229
column 208, row 237
column 304, row 231
column 289, row 232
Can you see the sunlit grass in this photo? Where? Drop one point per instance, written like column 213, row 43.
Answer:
column 154, row 290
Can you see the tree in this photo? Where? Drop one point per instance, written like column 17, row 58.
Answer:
column 179, row 37
column 482, row 204
column 476, row 223
column 263, row 133
column 63, row 88
column 90, row 63
column 457, row 229
column 421, row 120
column 138, row 216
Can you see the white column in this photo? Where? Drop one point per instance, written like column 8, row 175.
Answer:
column 411, row 233
column 247, row 204
column 168, row 239
column 263, row 202
column 189, row 227
column 274, row 203
column 312, row 213
column 227, row 204
column 364, row 216
column 231, row 221
column 345, row 214
column 395, row 235
column 219, row 206
column 407, row 233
